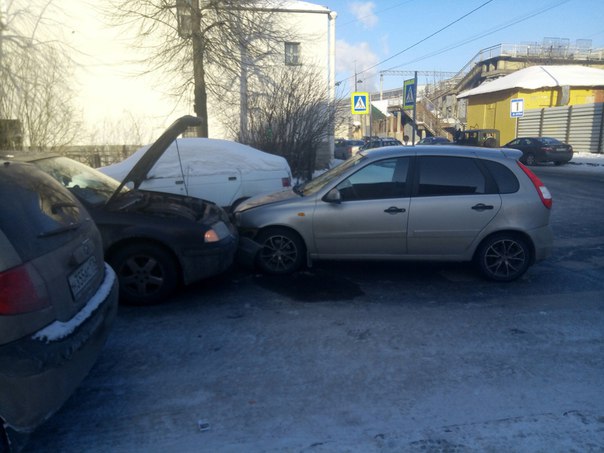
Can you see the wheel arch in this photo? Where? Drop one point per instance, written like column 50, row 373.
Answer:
column 113, row 248
column 515, row 233
column 290, row 229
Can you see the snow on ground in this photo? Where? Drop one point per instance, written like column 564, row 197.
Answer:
column 587, row 162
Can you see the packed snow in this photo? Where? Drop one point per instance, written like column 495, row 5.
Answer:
column 200, row 157
column 58, row 330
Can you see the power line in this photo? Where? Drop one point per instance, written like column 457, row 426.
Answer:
column 426, row 38
column 503, row 26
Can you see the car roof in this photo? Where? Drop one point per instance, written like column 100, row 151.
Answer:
column 442, row 150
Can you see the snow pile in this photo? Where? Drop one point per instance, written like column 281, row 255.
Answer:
column 199, row 157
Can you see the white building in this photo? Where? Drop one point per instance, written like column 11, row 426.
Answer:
column 311, row 42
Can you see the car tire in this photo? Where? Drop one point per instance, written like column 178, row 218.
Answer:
column 282, row 251
column 503, row 257
column 147, row 273
column 530, row 159
column 560, row 162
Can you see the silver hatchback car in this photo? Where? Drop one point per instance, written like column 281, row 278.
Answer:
column 446, row 203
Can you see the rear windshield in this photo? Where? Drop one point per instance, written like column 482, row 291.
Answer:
column 36, row 213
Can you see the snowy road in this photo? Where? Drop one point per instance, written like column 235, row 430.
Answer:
column 362, row 357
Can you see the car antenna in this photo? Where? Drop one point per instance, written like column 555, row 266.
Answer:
column 182, row 173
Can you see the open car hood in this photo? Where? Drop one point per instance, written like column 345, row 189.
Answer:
column 140, row 170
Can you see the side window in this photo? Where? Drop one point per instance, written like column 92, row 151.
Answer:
column 504, row 178
column 292, row 53
column 439, row 176
column 379, row 180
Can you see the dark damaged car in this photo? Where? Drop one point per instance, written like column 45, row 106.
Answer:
column 154, row 241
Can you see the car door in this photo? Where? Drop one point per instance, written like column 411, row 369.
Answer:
column 222, row 186
column 371, row 219
column 453, row 202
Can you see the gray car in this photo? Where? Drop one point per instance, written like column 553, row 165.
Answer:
column 445, row 203
column 58, row 298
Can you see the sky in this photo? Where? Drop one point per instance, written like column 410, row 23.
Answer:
column 409, row 35
column 443, row 35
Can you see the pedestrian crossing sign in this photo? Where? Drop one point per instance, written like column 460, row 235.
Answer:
column 409, row 94
column 359, row 103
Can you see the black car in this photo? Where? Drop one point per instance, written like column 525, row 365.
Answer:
column 542, row 149
column 434, row 141
column 380, row 142
column 58, row 298
column 343, row 148
column 154, row 241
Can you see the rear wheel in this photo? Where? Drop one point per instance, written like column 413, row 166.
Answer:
column 147, row 273
column 530, row 159
column 503, row 257
column 282, row 251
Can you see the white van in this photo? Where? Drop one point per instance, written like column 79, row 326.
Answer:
column 221, row 171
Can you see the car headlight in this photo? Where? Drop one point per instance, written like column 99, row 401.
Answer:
column 218, row 231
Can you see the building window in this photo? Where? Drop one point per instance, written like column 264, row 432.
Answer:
column 292, row 53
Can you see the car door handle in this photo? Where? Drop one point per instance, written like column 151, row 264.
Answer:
column 482, row 207
column 394, row 210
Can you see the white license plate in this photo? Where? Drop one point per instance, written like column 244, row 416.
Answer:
column 82, row 276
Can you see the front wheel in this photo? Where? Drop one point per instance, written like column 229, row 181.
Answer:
column 503, row 257
column 147, row 273
column 282, row 251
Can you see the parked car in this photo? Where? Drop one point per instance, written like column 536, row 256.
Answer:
column 487, row 138
column 434, row 141
column 542, row 149
column 379, row 143
column 154, row 241
column 58, row 298
column 221, row 171
column 344, row 148
column 439, row 203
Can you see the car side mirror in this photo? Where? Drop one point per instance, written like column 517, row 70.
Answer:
column 333, row 196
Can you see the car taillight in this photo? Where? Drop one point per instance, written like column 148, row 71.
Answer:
column 547, row 149
column 21, row 291
column 286, row 182
column 544, row 193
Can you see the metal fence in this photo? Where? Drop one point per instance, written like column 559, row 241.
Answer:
column 581, row 126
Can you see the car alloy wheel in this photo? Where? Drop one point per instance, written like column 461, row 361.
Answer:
column 147, row 273
column 282, row 251
column 530, row 159
column 503, row 257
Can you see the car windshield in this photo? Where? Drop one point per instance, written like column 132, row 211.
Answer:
column 86, row 183
column 320, row 181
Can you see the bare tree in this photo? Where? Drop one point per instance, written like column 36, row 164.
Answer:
column 207, row 47
column 292, row 118
column 34, row 76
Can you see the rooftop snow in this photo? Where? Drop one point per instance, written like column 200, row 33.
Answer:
column 535, row 77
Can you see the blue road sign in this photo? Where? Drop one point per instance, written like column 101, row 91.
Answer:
column 517, row 108
column 359, row 103
column 409, row 94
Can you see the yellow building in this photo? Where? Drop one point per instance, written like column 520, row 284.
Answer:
column 489, row 105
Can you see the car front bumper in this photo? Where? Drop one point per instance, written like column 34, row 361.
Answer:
column 38, row 373
column 208, row 261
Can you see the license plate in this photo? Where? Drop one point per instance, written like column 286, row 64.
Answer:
column 82, row 276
